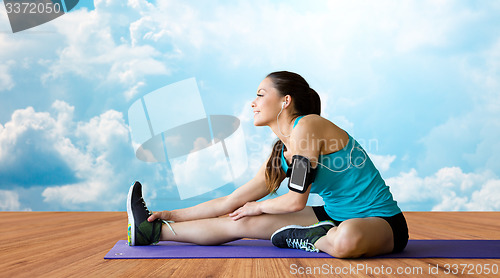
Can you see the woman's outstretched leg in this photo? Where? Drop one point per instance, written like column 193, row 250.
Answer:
column 210, row 231
column 213, row 231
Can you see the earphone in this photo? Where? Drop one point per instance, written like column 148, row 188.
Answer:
column 282, row 107
column 350, row 160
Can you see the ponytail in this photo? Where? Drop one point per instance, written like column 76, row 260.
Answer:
column 315, row 106
column 274, row 172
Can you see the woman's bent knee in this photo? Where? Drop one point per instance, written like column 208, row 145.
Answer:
column 347, row 244
column 361, row 237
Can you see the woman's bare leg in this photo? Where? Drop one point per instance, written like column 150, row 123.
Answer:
column 351, row 239
column 213, row 231
column 358, row 237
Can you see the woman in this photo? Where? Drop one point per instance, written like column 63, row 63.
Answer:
column 359, row 218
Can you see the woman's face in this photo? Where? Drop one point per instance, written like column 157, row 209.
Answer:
column 267, row 104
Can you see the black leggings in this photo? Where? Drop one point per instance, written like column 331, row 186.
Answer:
column 397, row 223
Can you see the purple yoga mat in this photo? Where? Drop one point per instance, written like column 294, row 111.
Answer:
column 462, row 249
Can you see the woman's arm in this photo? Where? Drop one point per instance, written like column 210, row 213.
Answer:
column 253, row 190
column 287, row 203
column 306, row 140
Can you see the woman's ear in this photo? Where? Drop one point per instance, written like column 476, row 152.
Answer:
column 287, row 100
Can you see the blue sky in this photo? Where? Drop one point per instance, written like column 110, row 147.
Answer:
column 417, row 83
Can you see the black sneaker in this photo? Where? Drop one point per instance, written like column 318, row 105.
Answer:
column 300, row 237
column 140, row 231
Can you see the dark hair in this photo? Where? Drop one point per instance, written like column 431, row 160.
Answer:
column 305, row 101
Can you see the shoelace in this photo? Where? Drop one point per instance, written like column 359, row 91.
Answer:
column 170, row 227
column 164, row 221
column 302, row 244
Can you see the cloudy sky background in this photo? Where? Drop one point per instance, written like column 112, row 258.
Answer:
column 417, row 83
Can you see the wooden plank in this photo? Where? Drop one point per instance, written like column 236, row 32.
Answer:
column 62, row 244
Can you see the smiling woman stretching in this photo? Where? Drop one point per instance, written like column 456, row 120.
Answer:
column 359, row 217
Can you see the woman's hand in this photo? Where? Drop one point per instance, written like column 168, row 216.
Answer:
column 164, row 215
column 249, row 209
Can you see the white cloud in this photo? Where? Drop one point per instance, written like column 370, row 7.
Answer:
column 6, row 81
column 245, row 112
column 22, row 120
column 432, row 26
column 338, row 41
column 94, row 51
column 201, row 171
column 343, row 122
column 103, row 131
column 132, row 92
column 382, row 162
column 338, row 31
column 470, row 138
column 449, row 189
column 126, row 41
column 488, row 198
column 258, row 139
column 81, row 164
column 9, row 201
column 93, row 162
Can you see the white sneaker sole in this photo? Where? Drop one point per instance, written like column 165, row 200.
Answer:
column 131, row 222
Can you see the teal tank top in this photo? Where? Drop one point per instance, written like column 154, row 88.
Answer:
column 353, row 191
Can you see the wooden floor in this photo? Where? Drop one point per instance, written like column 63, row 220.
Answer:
column 69, row 244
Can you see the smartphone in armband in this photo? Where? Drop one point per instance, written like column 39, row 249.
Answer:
column 302, row 174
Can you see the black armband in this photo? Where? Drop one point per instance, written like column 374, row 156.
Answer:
column 301, row 174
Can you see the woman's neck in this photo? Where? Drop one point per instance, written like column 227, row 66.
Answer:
column 284, row 129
